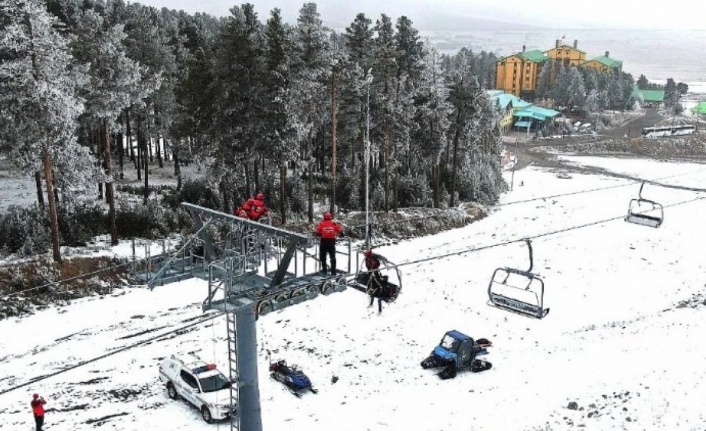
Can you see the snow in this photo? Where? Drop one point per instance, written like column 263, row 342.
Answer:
column 613, row 328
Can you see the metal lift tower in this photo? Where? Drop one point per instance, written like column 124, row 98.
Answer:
column 235, row 255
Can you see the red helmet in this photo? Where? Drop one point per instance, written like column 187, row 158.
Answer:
column 367, row 252
column 260, row 197
column 328, row 216
column 35, row 396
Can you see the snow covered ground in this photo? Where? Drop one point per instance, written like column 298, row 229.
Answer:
column 623, row 339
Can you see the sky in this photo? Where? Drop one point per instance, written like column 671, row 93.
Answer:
column 432, row 15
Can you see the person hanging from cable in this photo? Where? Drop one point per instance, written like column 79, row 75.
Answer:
column 377, row 285
column 328, row 230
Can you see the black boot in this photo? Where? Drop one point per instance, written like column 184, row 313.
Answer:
column 324, row 269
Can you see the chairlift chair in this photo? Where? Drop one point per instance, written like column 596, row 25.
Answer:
column 390, row 276
column 636, row 216
column 527, row 300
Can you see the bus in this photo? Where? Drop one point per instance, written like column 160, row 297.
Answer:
column 657, row 132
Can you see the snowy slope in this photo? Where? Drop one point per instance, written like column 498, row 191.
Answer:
column 615, row 342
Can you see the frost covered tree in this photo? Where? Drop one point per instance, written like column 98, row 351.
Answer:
column 115, row 84
column 39, row 102
column 310, row 88
column 576, row 91
column 280, row 136
column 544, row 80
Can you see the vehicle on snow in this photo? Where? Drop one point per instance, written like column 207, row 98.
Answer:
column 291, row 376
column 200, row 384
column 458, row 351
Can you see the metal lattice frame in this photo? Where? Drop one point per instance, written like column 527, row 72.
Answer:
column 233, row 270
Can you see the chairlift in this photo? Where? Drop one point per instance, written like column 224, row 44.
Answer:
column 637, row 214
column 519, row 291
column 386, row 287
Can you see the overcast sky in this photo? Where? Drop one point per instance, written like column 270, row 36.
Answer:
column 617, row 14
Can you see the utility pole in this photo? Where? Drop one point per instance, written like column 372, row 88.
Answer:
column 368, row 80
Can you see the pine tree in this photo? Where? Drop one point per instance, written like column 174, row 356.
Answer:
column 115, row 83
column 280, row 138
column 576, row 90
column 39, row 82
column 643, row 83
column 544, row 80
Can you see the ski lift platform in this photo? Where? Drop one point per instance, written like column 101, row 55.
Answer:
column 637, row 214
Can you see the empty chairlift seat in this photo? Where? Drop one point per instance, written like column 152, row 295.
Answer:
column 645, row 212
column 518, row 291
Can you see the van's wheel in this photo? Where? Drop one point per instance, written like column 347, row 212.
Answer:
column 171, row 391
column 206, row 414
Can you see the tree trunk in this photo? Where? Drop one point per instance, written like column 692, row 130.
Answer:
column 109, row 190
column 457, row 137
column 53, row 219
column 247, row 178
column 130, row 149
column 282, row 194
column 437, row 192
column 257, row 177
column 177, row 168
column 98, row 140
column 224, row 191
column 121, row 153
column 310, row 188
column 40, row 195
column 159, row 151
column 144, row 158
column 148, row 148
column 334, row 124
column 138, row 159
column 396, row 202
column 387, row 167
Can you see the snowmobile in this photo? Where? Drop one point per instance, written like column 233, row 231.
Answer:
column 458, row 351
column 292, row 377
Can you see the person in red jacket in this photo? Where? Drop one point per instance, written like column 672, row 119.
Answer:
column 258, row 209
column 38, row 410
column 243, row 211
column 328, row 230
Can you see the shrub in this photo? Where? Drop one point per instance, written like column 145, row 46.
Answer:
column 197, row 192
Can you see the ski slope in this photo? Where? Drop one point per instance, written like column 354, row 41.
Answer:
column 623, row 338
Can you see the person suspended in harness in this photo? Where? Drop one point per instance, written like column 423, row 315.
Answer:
column 377, row 285
column 38, row 410
column 328, row 230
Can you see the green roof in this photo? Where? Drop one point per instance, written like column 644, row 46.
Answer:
column 536, row 112
column 505, row 99
column 607, row 61
column 700, row 108
column 535, row 55
column 649, row 95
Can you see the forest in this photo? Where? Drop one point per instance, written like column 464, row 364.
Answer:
column 93, row 88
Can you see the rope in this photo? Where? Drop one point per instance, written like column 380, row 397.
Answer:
column 542, row 235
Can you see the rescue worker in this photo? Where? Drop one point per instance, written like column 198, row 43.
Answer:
column 258, row 208
column 38, row 410
column 243, row 211
column 328, row 230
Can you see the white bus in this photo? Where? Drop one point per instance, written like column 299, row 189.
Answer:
column 657, row 132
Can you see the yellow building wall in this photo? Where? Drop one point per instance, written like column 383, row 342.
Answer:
column 515, row 75
column 567, row 55
column 596, row 65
